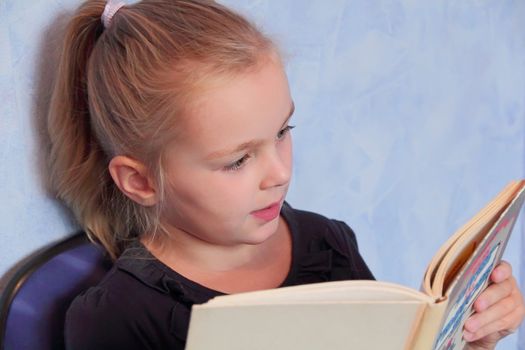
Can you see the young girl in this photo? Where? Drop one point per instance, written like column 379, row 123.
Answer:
column 171, row 143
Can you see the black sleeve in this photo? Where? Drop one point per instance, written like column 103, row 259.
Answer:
column 347, row 243
column 319, row 234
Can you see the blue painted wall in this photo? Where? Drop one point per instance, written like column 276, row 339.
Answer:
column 410, row 116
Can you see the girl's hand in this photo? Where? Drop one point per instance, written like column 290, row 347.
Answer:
column 499, row 311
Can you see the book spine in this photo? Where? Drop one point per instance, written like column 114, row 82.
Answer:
column 429, row 326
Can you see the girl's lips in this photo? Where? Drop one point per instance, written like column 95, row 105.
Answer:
column 269, row 213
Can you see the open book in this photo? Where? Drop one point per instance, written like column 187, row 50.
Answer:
column 368, row 314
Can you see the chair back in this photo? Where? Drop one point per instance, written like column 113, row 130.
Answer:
column 34, row 303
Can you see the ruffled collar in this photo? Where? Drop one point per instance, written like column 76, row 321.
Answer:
column 140, row 263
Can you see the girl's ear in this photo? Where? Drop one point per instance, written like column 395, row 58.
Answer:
column 132, row 178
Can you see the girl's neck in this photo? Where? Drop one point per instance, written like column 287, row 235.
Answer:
column 227, row 268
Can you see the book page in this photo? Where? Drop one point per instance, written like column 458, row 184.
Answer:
column 330, row 315
column 308, row 326
column 452, row 255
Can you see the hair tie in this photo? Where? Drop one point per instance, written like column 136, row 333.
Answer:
column 112, row 6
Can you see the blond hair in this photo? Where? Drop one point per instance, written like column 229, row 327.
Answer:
column 121, row 91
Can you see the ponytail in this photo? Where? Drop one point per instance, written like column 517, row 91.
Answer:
column 78, row 165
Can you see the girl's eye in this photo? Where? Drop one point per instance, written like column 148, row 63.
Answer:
column 238, row 164
column 282, row 133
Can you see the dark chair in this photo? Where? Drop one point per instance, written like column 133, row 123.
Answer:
column 34, row 303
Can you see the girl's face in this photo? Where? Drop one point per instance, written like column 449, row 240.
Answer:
column 229, row 171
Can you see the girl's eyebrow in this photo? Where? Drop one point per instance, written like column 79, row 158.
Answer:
column 246, row 145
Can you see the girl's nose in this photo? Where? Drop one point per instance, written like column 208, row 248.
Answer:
column 278, row 169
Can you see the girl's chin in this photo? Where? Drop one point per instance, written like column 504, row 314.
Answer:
column 263, row 232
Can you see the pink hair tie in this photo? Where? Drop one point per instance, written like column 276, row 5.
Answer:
column 112, row 6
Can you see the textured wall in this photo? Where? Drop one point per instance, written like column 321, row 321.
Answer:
column 409, row 114
column 29, row 34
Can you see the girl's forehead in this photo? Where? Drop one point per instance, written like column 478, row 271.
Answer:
column 245, row 105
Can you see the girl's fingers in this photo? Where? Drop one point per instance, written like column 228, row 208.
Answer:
column 499, row 309
column 493, row 294
column 504, row 326
column 501, row 272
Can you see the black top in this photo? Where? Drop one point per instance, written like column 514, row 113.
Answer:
column 143, row 304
